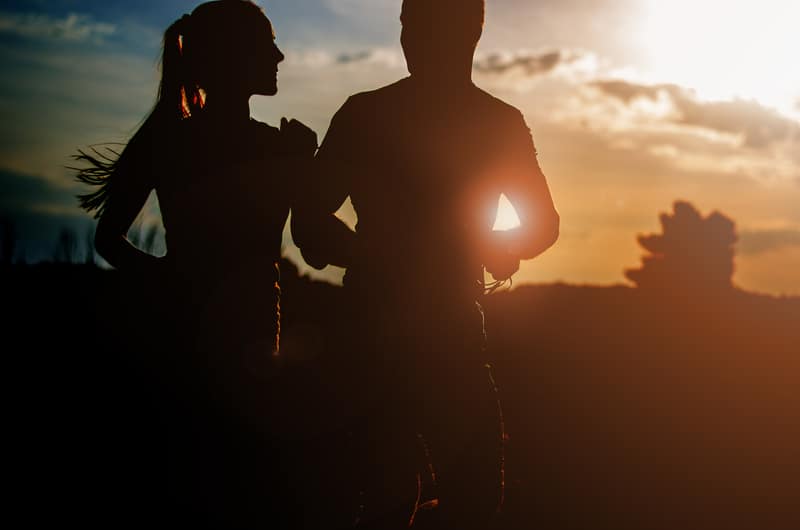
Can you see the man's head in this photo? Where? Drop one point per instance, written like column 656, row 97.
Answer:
column 439, row 36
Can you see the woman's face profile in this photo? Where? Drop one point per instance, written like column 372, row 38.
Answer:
column 264, row 58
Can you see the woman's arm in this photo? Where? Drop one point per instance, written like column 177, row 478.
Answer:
column 322, row 237
column 127, row 196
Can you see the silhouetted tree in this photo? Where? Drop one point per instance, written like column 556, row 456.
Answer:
column 66, row 249
column 692, row 252
column 89, row 258
column 8, row 241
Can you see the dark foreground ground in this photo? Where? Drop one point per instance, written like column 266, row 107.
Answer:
column 624, row 409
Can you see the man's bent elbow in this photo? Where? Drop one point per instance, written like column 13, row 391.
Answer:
column 554, row 229
column 543, row 237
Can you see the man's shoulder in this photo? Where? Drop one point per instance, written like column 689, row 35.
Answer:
column 371, row 98
column 496, row 107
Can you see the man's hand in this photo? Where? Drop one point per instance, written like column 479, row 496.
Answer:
column 298, row 140
column 499, row 261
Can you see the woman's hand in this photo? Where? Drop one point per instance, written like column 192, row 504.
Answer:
column 298, row 139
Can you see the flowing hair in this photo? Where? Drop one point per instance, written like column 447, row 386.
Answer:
column 192, row 49
column 179, row 96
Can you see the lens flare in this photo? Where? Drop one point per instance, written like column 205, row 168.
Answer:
column 507, row 218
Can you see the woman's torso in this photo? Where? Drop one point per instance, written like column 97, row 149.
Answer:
column 224, row 195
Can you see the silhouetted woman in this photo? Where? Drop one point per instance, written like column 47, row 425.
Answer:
column 224, row 185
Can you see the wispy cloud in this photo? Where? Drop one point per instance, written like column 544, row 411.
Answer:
column 74, row 27
column 758, row 126
column 527, row 63
column 381, row 56
column 356, row 57
column 316, row 58
column 523, row 70
column 28, row 193
column 87, row 95
column 760, row 241
column 360, row 8
column 627, row 91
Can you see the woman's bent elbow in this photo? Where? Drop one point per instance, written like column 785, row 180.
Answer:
column 102, row 244
column 107, row 244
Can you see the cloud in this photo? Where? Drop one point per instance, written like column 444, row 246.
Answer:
column 360, row 8
column 88, row 95
column 36, row 211
column 28, row 193
column 381, row 56
column 523, row 71
column 759, row 126
column 316, row 58
column 74, row 27
column 627, row 91
column 357, row 57
column 522, row 63
column 530, row 64
column 761, row 241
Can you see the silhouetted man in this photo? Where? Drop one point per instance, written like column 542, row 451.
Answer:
column 424, row 161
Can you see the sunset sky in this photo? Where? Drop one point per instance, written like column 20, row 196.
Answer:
column 633, row 104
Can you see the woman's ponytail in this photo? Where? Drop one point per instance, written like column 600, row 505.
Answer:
column 178, row 93
column 178, row 96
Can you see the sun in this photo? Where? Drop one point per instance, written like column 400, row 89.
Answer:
column 507, row 218
column 726, row 48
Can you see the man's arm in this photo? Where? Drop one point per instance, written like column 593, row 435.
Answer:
column 322, row 237
column 525, row 186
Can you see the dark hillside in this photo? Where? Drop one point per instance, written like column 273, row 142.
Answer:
column 626, row 408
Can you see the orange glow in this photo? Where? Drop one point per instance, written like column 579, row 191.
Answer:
column 744, row 34
column 507, row 218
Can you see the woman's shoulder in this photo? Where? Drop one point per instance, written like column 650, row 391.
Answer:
column 264, row 136
column 202, row 127
column 264, row 131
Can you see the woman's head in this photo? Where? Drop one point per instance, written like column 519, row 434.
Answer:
column 232, row 41
column 223, row 47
